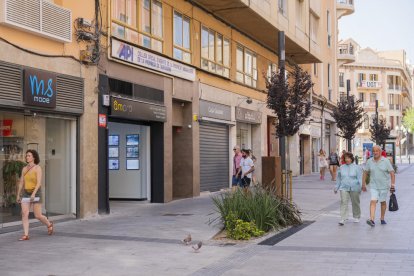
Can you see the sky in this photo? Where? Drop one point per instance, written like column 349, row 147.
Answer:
column 381, row 25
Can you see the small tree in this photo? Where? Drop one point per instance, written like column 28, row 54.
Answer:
column 289, row 100
column 408, row 120
column 379, row 131
column 348, row 116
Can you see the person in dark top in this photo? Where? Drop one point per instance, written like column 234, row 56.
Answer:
column 333, row 164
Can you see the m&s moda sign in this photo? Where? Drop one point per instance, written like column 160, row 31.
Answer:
column 138, row 56
column 39, row 88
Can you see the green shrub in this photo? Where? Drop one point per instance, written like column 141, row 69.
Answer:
column 241, row 230
column 259, row 206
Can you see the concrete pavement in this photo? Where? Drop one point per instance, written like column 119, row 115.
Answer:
column 143, row 239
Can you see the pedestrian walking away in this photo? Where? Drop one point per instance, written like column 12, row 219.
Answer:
column 247, row 167
column 349, row 185
column 236, row 167
column 323, row 164
column 333, row 164
column 29, row 193
column 381, row 176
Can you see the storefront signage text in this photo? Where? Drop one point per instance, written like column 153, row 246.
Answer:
column 134, row 110
column 248, row 116
column 214, row 110
column 39, row 88
column 138, row 56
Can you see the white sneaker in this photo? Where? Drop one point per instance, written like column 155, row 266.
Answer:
column 341, row 222
column 356, row 220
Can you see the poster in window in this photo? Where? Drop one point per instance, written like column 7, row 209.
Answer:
column 132, row 164
column 113, row 164
column 132, row 152
column 113, row 140
column 113, row 152
column 132, row 140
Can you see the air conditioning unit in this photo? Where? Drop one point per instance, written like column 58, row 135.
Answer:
column 38, row 16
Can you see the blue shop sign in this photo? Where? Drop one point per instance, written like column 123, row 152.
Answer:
column 39, row 88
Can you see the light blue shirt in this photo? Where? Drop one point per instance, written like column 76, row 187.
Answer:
column 349, row 178
column 379, row 177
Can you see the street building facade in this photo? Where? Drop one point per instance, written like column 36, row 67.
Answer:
column 382, row 76
column 47, row 103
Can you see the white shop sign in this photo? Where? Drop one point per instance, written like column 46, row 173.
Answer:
column 138, row 56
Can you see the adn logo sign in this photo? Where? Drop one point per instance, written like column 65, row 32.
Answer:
column 39, row 88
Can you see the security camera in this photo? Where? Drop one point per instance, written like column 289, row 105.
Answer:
column 249, row 100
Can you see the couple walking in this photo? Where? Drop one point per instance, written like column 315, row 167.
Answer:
column 243, row 167
column 351, row 181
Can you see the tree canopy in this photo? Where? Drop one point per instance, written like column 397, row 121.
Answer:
column 379, row 131
column 289, row 100
column 408, row 120
column 348, row 116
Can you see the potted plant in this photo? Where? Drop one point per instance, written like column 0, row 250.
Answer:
column 12, row 170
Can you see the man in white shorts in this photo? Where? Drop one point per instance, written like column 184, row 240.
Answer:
column 381, row 175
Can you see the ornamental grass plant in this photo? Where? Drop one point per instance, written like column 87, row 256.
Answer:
column 259, row 206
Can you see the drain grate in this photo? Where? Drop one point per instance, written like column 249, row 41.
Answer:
column 281, row 236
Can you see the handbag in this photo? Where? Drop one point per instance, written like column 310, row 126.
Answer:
column 393, row 204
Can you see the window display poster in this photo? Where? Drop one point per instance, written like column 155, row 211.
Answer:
column 132, row 140
column 132, row 152
column 113, row 140
column 113, row 152
column 113, row 164
column 132, row 164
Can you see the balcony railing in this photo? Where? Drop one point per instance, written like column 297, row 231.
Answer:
column 346, row 49
column 372, row 104
column 392, row 86
column 369, row 84
column 345, row 2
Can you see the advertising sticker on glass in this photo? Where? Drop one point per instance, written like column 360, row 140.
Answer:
column 113, row 164
column 132, row 152
column 132, row 140
column 113, row 140
column 113, row 152
column 132, row 164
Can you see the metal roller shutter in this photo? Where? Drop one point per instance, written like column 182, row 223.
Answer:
column 214, row 157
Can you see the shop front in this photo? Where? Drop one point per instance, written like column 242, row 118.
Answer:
column 40, row 110
column 248, row 126
column 215, row 120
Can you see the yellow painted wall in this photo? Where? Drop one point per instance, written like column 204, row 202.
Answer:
column 36, row 43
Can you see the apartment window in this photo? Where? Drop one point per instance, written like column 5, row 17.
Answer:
column 283, row 7
column 366, row 121
column 372, row 97
column 271, row 69
column 373, row 77
column 341, row 80
column 329, row 82
column 215, row 52
column 361, row 77
column 391, row 101
column 299, row 14
column 397, row 120
column 397, row 102
column 392, row 122
column 315, row 69
column 182, row 49
column 314, row 27
column 361, row 96
column 148, row 32
column 246, row 65
column 328, row 26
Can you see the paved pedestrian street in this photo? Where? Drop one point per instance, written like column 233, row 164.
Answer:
column 144, row 239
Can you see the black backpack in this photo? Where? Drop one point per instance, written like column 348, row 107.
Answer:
column 393, row 204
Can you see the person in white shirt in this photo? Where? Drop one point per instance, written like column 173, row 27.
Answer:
column 247, row 167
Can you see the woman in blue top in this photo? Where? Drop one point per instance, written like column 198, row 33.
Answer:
column 349, row 183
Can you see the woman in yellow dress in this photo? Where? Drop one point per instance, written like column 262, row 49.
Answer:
column 30, row 184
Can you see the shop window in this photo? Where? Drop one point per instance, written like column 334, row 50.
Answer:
column 182, row 49
column 125, row 17
column 246, row 66
column 55, row 141
column 215, row 52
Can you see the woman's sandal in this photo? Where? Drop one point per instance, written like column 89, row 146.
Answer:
column 24, row 238
column 50, row 229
